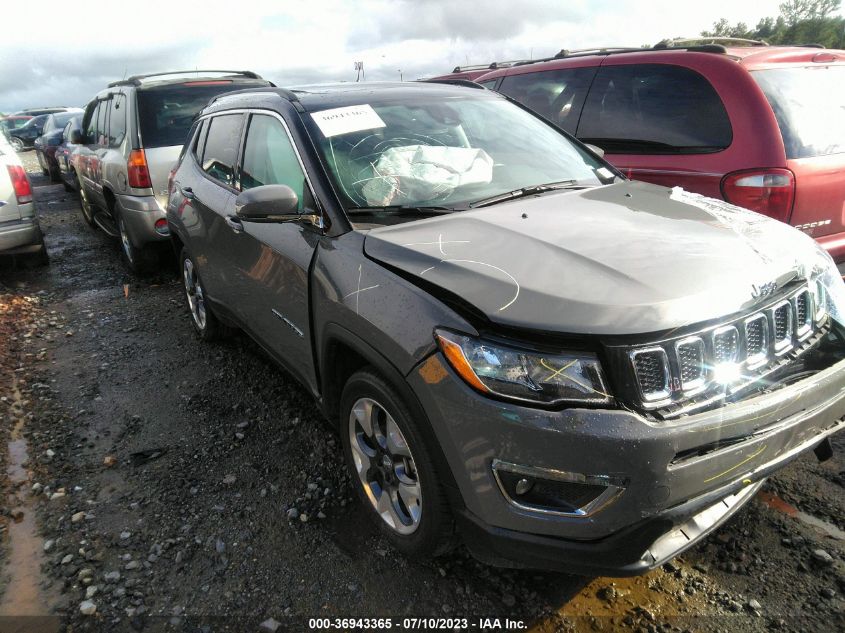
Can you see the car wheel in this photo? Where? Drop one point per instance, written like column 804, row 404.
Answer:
column 205, row 323
column 54, row 173
column 16, row 144
column 391, row 467
column 68, row 187
column 87, row 208
column 139, row 260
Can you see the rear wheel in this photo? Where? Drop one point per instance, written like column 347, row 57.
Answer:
column 391, row 467
column 205, row 323
column 87, row 208
column 139, row 260
column 16, row 144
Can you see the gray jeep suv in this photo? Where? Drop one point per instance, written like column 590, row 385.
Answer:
column 130, row 138
column 515, row 343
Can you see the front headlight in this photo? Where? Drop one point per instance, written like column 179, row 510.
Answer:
column 519, row 374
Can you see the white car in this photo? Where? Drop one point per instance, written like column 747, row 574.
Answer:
column 20, row 234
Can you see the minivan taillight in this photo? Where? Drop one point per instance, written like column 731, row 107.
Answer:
column 136, row 166
column 767, row 191
column 20, row 183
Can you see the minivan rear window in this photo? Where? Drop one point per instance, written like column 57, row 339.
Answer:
column 654, row 109
column 809, row 105
column 166, row 113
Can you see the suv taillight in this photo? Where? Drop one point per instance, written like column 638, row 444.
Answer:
column 20, row 183
column 136, row 166
column 767, row 191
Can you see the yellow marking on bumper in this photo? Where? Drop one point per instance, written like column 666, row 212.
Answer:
column 733, row 468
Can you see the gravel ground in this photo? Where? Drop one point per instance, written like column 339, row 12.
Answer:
column 188, row 486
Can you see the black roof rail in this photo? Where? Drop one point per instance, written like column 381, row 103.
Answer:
column 284, row 93
column 687, row 43
column 135, row 80
column 490, row 66
column 455, row 82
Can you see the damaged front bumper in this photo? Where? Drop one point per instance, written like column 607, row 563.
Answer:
column 672, row 481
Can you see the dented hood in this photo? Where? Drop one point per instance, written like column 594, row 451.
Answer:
column 622, row 259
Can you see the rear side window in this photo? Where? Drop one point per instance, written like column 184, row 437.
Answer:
column 117, row 120
column 654, row 109
column 166, row 113
column 556, row 95
column 91, row 123
column 269, row 157
column 489, row 84
column 221, row 148
column 809, row 105
column 103, row 122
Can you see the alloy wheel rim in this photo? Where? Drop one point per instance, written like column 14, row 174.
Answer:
column 194, row 292
column 385, row 466
column 86, row 206
column 17, row 145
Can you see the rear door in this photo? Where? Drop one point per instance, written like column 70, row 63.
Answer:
column 212, row 198
column 809, row 105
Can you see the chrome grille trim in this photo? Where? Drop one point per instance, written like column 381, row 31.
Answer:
column 780, row 318
column 691, row 373
column 802, row 302
column 725, row 344
column 663, row 392
column 747, row 348
column 756, row 335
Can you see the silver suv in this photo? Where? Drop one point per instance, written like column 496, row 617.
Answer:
column 131, row 136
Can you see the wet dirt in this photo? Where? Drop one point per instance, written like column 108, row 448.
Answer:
column 209, row 533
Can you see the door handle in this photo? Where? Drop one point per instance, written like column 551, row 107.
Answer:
column 188, row 193
column 234, row 224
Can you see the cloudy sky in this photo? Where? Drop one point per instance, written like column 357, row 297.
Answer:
column 71, row 50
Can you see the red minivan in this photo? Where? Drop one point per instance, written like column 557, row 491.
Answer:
column 760, row 126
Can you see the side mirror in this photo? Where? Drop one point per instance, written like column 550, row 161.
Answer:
column 76, row 136
column 598, row 151
column 268, row 202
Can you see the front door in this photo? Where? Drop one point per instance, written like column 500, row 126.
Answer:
column 272, row 260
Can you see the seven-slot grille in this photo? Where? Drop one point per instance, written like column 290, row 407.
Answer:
column 682, row 368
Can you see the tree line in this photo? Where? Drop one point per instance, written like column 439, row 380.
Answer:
column 799, row 22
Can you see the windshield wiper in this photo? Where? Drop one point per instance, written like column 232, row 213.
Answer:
column 400, row 208
column 523, row 192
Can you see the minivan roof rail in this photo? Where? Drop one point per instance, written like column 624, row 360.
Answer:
column 698, row 41
column 491, row 66
column 135, row 80
column 467, row 83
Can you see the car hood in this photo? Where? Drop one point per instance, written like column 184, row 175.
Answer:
column 621, row 259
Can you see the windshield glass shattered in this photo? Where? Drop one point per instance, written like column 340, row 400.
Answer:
column 444, row 154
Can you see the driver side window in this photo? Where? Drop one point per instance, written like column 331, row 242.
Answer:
column 270, row 159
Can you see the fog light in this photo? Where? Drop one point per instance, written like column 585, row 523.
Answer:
column 554, row 491
column 161, row 227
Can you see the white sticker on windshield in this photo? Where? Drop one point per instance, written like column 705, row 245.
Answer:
column 345, row 120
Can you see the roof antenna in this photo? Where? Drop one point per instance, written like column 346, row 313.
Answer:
column 125, row 70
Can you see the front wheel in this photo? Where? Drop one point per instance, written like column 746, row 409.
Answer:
column 16, row 144
column 391, row 467
column 84, row 203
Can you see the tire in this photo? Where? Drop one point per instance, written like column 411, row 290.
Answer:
column 139, row 260
column 37, row 260
column 392, row 469
column 16, row 144
column 54, row 173
column 206, row 325
column 68, row 187
column 86, row 206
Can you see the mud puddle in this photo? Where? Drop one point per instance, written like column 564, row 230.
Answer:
column 24, row 606
column 820, row 525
